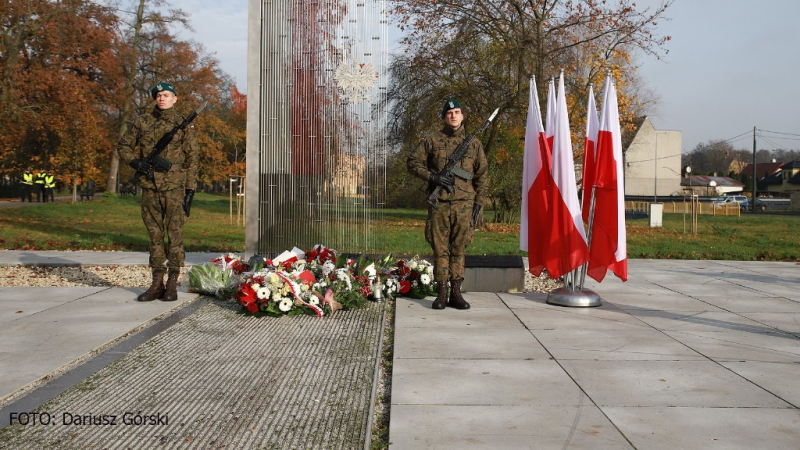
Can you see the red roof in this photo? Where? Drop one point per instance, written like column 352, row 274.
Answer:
column 764, row 169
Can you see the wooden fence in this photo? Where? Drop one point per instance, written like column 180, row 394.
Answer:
column 685, row 207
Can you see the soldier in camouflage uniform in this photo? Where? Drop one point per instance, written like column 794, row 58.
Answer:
column 167, row 199
column 450, row 228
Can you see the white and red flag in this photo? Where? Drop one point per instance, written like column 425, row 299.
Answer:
column 536, row 184
column 609, row 250
column 589, row 159
column 567, row 248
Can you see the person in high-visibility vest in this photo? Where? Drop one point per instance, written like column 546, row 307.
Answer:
column 38, row 180
column 27, row 185
column 50, row 186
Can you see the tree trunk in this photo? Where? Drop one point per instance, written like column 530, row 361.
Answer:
column 127, row 106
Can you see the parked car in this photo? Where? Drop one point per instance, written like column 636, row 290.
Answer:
column 729, row 200
column 761, row 205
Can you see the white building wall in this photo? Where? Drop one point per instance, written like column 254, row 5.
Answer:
column 653, row 162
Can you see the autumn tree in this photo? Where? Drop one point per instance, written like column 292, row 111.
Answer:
column 57, row 72
column 484, row 54
column 73, row 74
column 710, row 158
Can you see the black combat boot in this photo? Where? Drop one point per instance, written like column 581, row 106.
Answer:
column 156, row 290
column 456, row 299
column 441, row 299
column 171, row 292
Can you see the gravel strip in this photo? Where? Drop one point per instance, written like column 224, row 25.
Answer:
column 139, row 276
column 70, row 276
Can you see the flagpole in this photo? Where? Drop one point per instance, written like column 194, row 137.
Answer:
column 574, row 232
column 589, row 236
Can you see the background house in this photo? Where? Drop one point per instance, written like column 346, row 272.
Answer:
column 653, row 161
column 783, row 182
column 711, row 186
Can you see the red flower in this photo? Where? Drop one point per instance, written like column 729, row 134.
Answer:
column 405, row 286
column 246, row 294
column 252, row 307
column 414, row 275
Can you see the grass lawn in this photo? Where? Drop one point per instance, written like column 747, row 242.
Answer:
column 115, row 224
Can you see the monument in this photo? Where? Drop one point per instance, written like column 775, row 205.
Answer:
column 316, row 125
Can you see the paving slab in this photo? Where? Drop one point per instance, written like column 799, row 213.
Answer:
column 46, row 330
column 665, row 428
column 735, row 345
column 668, row 384
column 460, row 427
column 778, row 378
column 614, row 345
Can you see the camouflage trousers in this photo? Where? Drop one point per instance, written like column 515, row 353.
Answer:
column 449, row 231
column 163, row 216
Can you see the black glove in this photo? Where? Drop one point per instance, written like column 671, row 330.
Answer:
column 140, row 166
column 447, row 181
column 477, row 215
column 187, row 201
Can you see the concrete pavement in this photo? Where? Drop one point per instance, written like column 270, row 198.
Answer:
column 686, row 354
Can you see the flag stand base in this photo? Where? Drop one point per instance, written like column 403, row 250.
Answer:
column 565, row 297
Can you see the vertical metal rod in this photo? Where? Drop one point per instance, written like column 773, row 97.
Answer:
column 588, row 236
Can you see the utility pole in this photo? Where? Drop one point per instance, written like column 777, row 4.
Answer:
column 755, row 173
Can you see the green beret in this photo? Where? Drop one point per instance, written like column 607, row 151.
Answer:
column 162, row 87
column 450, row 104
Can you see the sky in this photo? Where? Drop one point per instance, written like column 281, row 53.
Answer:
column 732, row 65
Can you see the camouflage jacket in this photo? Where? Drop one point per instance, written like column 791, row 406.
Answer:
column 182, row 152
column 430, row 156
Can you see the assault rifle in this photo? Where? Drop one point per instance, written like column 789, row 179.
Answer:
column 455, row 158
column 158, row 163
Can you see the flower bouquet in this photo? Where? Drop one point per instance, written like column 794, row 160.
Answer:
column 277, row 293
column 412, row 278
column 219, row 277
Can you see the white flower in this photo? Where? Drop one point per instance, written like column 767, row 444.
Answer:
column 285, row 304
column 425, row 279
column 328, row 267
column 391, row 285
column 263, row 293
column 412, row 265
column 255, row 286
column 414, row 283
column 314, row 300
column 344, row 275
column 276, row 297
column 429, row 270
